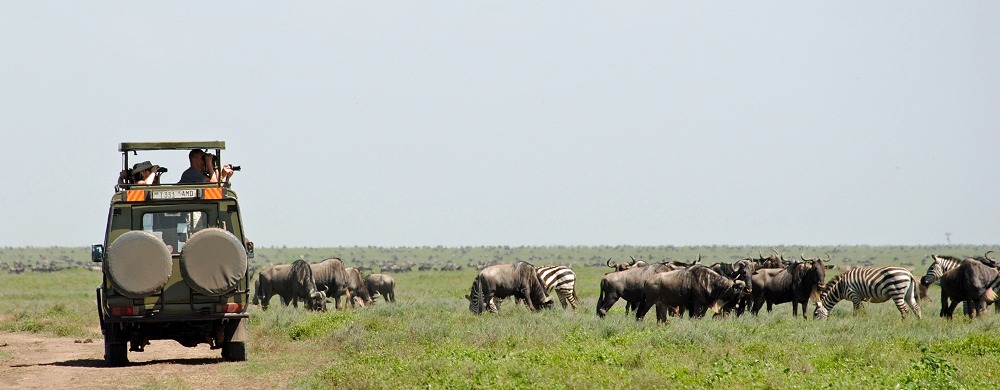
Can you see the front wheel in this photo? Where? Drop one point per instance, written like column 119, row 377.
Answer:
column 234, row 352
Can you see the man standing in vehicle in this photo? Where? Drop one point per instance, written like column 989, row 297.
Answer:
column 203, row 170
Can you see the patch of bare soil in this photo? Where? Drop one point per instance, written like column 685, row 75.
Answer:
column 32, row 361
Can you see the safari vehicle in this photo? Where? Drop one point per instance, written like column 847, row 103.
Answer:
column 175, row 264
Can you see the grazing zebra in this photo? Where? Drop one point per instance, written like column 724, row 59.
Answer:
column 557, row 277
column 562, row 279
column 874, row 285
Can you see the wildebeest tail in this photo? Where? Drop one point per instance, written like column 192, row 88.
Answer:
column 600, row 298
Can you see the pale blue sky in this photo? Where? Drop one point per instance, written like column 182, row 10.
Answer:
column 518, row 123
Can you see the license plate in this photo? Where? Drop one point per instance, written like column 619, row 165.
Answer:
column 175, row 194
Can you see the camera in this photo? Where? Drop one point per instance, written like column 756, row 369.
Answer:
column 161, row 170
column 235, row 167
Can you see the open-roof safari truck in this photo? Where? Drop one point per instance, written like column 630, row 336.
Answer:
column 174, row 260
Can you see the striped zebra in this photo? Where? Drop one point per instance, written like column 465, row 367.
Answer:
column 942, row 264
column 938, row 267
column 563, row 280
column 874, row 285
column 554, row 277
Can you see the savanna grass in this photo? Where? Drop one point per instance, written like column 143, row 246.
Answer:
column 429, row 339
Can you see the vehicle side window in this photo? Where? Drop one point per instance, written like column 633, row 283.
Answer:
column 174, row 228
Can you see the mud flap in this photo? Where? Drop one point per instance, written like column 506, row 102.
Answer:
column 236, row 330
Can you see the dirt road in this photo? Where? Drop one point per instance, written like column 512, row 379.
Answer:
column 32, row 361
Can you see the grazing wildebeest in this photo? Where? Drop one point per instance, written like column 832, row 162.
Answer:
column 740, row 270
column 796, row 283
column 381, row 284
column 290, row 282
column 696, row 289
column 356, row 289
column 971, row 281
column 627, row 285
column 503, row 280
column 874, row 285
column 560, row 278
column 331, row 278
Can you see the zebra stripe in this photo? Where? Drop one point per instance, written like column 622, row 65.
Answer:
column 562, row 279
column 874, row 285
column 938, row 267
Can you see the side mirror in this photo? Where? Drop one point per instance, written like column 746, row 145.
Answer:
column 97, row 253
column 249, row 245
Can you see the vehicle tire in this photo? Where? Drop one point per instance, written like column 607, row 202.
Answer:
column 115, row 354
column 138, row 264
column 234, row 352
column 213, row 262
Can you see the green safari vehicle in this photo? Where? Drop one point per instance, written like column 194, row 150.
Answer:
column 174, row 263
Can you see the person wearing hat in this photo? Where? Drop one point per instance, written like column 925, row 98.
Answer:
column 146, row 173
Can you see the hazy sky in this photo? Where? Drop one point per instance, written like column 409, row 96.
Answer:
column 517, row 122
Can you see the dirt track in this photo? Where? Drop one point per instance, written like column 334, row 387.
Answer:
column 31, row 361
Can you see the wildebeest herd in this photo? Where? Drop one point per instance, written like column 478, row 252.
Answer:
column 313, row 283
column 731, row 288
column 672, row 287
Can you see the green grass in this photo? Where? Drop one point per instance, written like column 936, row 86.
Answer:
column 59, row 303
column 430, row 340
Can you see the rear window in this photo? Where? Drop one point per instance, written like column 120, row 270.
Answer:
column 174, row 227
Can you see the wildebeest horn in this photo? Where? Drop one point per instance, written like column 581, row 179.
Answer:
column 699, row 259
column 760, row 254
column 803, row 257
column 609, row 263
column 633, row 260
column 987, row 256
column 828, row 257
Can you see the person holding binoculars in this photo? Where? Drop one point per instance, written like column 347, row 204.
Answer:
column 203, row 170
column 144, row 173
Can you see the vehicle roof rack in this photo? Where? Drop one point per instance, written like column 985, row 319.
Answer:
column 134, row 146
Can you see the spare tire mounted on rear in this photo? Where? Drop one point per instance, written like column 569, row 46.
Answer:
column 138, row 264
column 213, row 261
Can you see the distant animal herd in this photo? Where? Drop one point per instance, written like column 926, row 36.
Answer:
column 672, row 287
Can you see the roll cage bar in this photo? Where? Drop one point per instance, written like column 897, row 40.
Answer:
column 126, row 147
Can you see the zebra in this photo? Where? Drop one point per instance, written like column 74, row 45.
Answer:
column 942, row 264
column 874, row 285
column 557, row 277
column 938, row 267
column 563, row 280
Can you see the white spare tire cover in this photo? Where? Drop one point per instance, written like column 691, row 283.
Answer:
column 213, row 261
column 138, row 264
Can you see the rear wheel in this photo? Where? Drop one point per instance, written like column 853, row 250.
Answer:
column 234, row 351
column 115, row 354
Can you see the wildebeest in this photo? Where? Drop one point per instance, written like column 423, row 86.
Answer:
column 874, row 285
column 381, row 284
column 696, row 289
column 622, row 267
column 504, row 280
column 944, row 263
column 796, row 283
column 290, row 282
column 971, row 281
column 331, row 278
column 740, row 270
column 356, row 289
column 627, row 285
